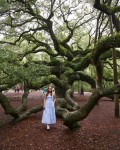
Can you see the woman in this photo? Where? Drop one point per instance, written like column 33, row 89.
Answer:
column 49, row 116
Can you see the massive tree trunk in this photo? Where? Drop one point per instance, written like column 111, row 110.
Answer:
column 64, row 92
column 60, row 92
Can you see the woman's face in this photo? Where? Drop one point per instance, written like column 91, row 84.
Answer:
column 49, row 89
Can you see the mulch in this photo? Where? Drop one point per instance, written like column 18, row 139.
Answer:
column 99, row 131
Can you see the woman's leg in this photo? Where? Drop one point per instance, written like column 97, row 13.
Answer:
column 48, row 127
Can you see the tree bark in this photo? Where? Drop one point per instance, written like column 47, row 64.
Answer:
column 28, row 113
column 60, row 92
column 8, row 108
column 23, row 106
column 71, row 119
column 70, row 101
column 116, row 98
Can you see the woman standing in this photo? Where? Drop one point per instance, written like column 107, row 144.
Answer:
column 49, row 116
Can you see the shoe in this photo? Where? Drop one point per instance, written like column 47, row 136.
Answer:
column 48, row 127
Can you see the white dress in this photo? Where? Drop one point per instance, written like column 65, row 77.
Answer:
column 49, row 116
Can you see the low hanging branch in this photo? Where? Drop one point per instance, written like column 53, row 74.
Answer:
column 8, row 107
column 29, row 112
column 16, row 113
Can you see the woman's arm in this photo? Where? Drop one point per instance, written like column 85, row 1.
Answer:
column 54, row 98
column 44, row 100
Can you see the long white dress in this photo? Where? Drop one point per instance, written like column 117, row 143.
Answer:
column 49, row 116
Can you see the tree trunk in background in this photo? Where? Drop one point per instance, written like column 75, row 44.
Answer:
column 116, row 98
column 98, row 66
column 23, row 106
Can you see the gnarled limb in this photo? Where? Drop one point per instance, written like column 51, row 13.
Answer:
column 105, row 8
column 71, row 119
column 8, row 107
column 70, row 101
column 29, row 112
column 105, row 44
column 80, row 114
column 61, row 107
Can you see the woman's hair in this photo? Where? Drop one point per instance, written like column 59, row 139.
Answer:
column 49, row 92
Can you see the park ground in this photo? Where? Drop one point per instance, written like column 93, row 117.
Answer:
column 99, row 131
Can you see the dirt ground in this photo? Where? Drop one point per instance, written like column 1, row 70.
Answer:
column 99, row 131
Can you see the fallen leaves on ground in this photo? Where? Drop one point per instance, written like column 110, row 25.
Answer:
column 99, row 131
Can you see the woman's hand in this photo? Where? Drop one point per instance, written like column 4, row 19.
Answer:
column 43, row 107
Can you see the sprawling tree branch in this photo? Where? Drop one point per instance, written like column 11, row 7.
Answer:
column 7, row 106
column 105, row 44
column 71, row 118
column 105, row 8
